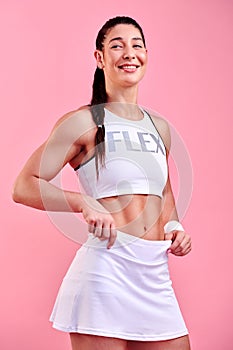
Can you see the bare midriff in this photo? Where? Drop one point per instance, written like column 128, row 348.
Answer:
column 137, row 214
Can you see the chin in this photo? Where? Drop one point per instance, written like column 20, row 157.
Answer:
column 131, row 81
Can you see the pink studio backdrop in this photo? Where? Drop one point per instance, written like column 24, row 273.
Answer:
column 47, row 67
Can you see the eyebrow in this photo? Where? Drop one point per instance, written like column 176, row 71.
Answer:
column 120, row 38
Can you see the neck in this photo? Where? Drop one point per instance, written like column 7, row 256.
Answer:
column 123, row 101
column 122, row 94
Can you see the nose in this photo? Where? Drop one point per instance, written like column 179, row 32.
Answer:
column 129, row 53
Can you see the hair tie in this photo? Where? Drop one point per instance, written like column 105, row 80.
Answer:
column 100, row 125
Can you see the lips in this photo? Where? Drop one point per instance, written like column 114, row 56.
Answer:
column 128, row 67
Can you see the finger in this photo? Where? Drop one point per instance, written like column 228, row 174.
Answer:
column 112, row 238
column 187, row 249
column 105, row 233
column 91, row 226
column 178, row 239
column 168, row 236
column 182, row 249
column 179, row 250
column 185, row 245
column 182, row 253
column 98, row 231
column 98, row 228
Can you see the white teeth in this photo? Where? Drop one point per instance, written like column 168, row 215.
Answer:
column 129, row 67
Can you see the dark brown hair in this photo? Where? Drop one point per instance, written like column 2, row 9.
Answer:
column 99, row 94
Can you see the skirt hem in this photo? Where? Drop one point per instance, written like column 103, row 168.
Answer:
column 126, row 336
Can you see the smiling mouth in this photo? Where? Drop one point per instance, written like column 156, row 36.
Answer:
column 129, row 67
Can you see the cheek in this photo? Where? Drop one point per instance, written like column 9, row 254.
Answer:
column 143, row 57
column 112, row 59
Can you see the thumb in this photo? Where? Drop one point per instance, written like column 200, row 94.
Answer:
column 168, row 236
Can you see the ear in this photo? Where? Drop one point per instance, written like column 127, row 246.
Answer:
column 99, row 58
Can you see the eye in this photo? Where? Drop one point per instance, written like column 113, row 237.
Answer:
column 138, row 46
column 116, row 46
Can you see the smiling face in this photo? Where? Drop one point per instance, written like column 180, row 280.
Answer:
column 124, row 56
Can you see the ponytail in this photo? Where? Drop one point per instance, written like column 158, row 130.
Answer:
column 99, row 98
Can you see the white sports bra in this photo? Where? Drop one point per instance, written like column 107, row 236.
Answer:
column 135, row 160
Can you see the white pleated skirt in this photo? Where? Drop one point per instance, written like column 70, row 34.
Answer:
column 123, row 292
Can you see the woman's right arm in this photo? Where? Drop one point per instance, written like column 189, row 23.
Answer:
column 33, row 188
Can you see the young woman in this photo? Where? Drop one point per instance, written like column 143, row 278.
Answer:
column 117, row 293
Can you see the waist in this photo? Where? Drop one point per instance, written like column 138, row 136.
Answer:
column 137, row 215
column 131, row 248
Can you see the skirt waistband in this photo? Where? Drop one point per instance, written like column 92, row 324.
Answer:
column 132, row 247
column 124, row 238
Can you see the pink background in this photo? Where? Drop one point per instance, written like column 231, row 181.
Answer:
column 47, row 67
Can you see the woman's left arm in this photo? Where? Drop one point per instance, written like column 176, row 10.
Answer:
column 181, row 241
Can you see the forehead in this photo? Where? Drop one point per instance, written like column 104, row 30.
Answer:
column 124, row 31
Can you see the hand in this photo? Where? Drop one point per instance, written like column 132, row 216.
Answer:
column 100, row 221
column 181, row 243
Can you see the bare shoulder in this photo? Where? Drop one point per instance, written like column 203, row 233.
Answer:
column 75, row 125
column 163, row 128
column 70, row 135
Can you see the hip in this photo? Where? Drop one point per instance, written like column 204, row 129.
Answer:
column 129, row 256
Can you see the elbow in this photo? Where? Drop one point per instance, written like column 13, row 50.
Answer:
column 17, row 192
